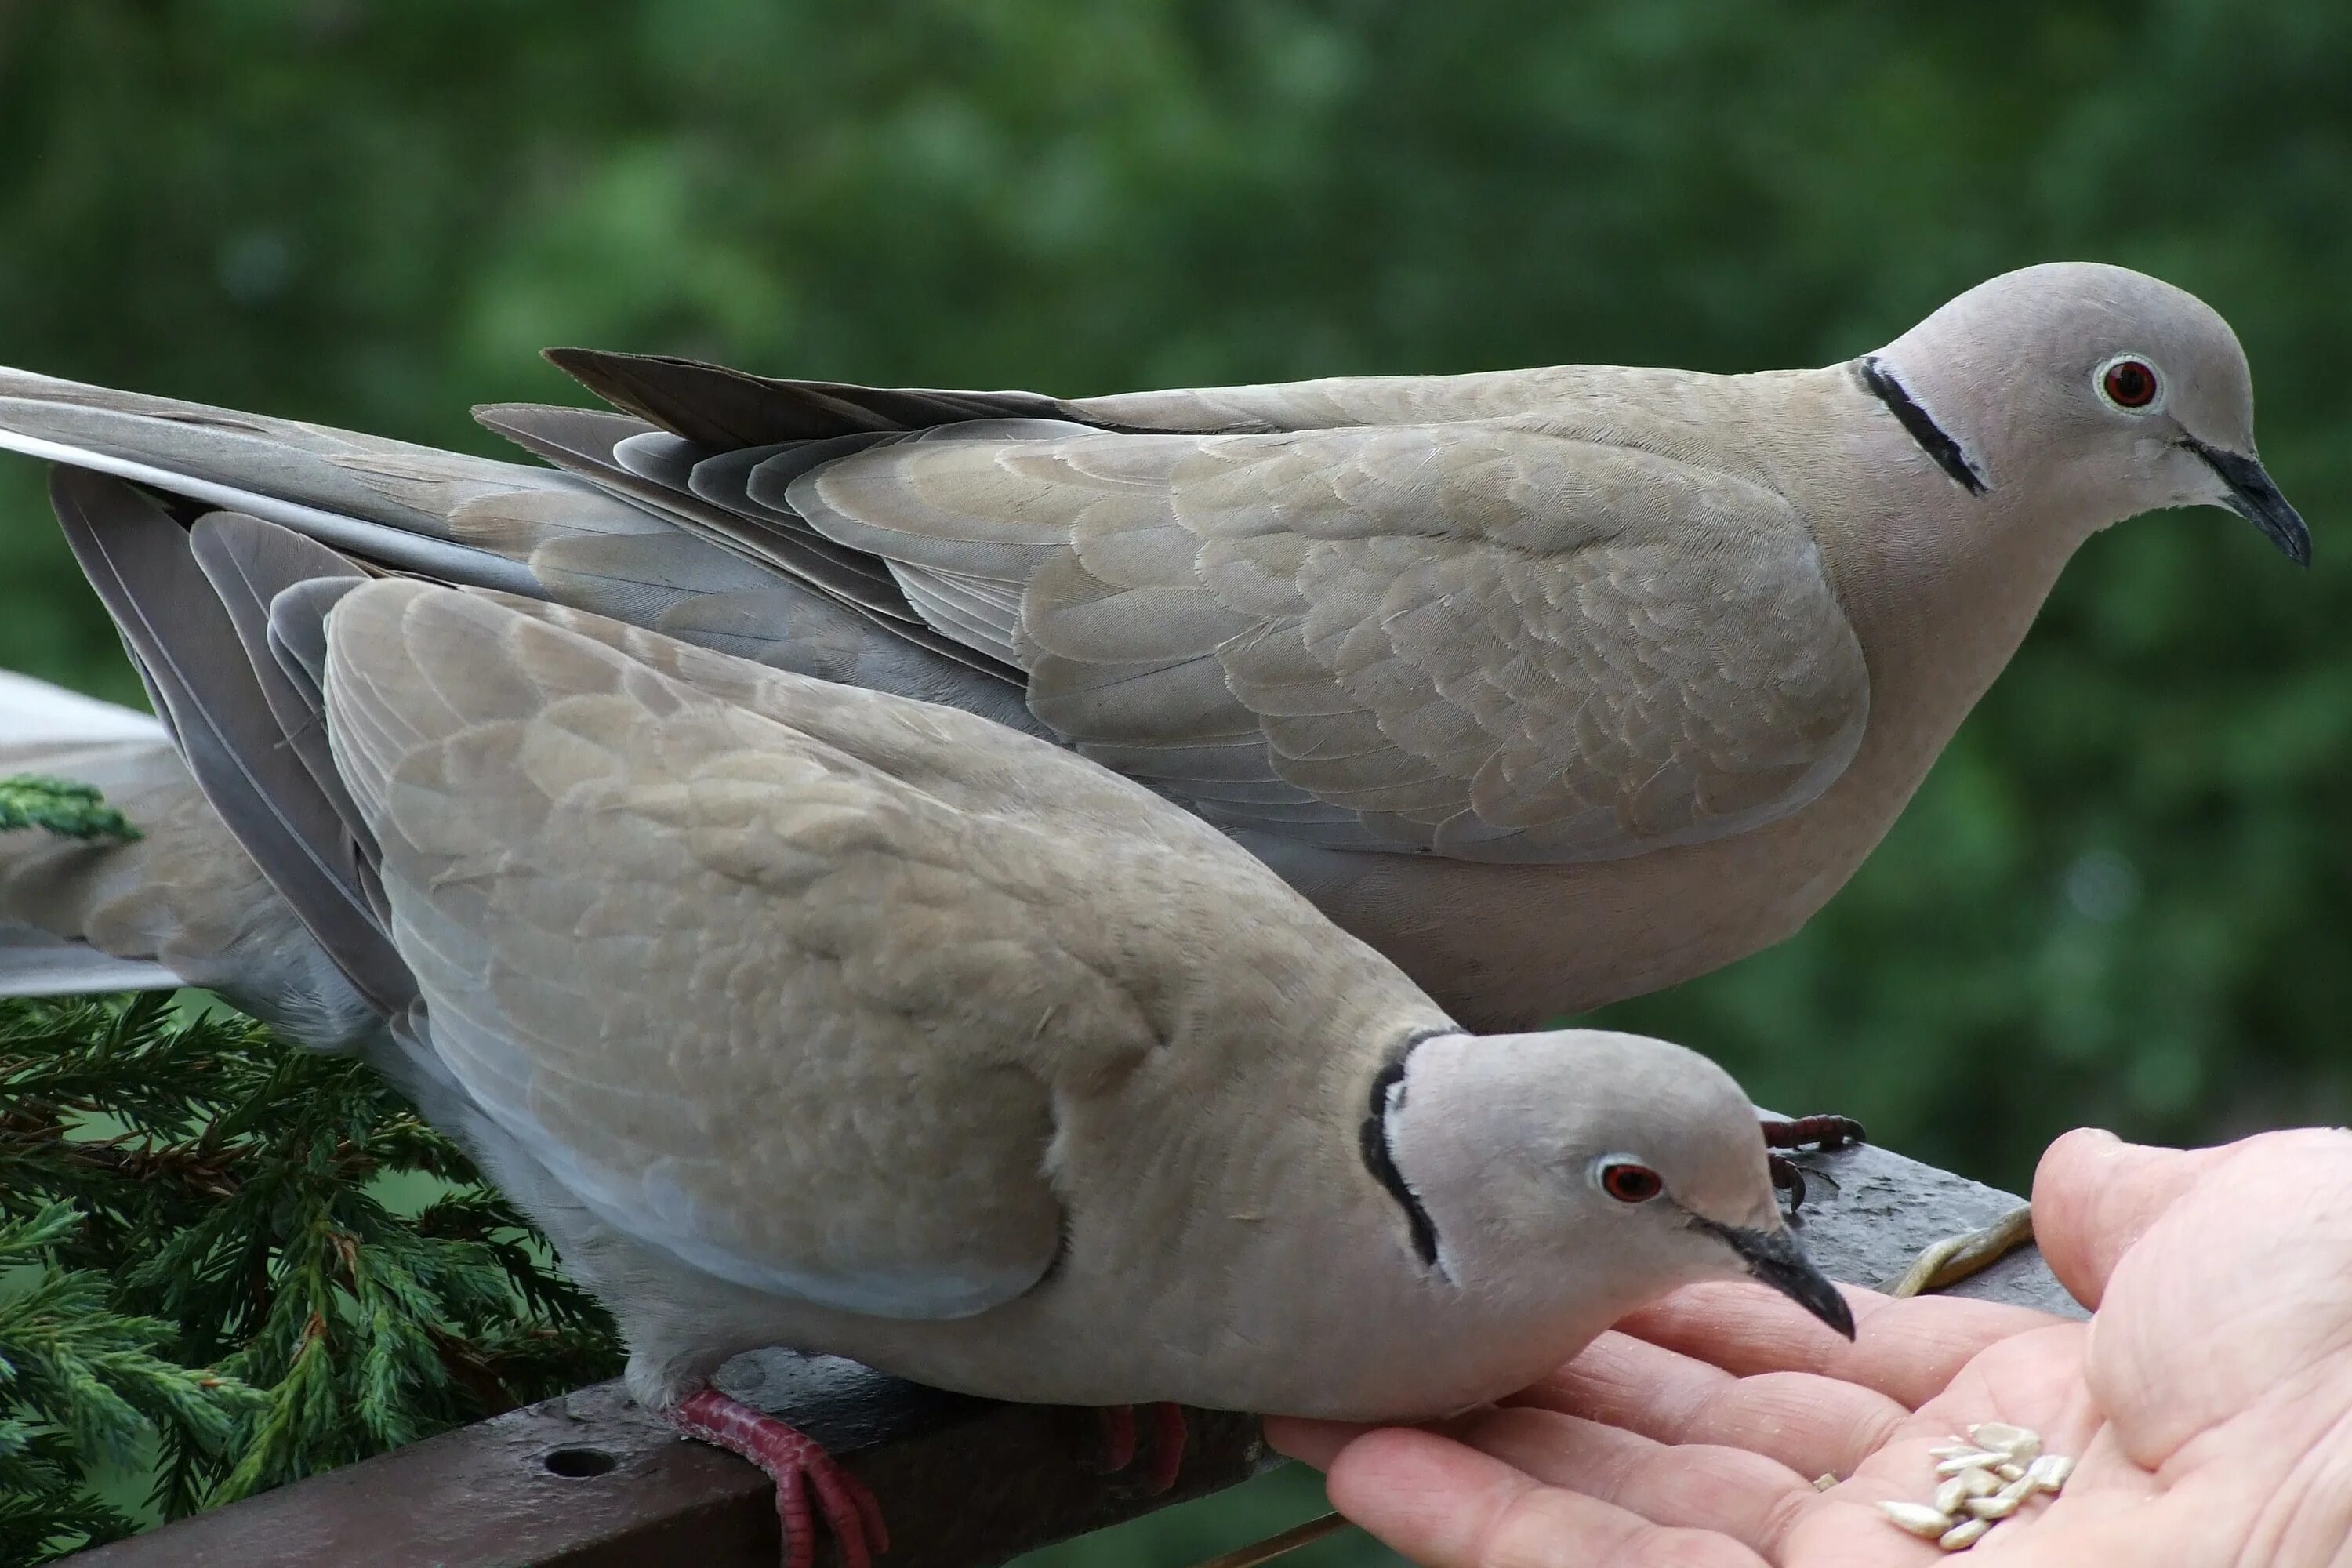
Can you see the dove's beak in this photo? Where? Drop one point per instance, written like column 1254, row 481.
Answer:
column 2252, row 497
column 1775, row 1258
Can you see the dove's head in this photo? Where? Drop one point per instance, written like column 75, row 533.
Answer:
column 2097, row 390
column 1583, row 1166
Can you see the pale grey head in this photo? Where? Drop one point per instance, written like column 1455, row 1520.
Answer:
column 1535, row 1164
column 2098, row 390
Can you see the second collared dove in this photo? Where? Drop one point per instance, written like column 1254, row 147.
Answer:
column 1555, row 686
column 803, row 1015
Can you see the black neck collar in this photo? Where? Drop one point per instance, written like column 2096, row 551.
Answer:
column 1388, row 1095
column 1932, row 438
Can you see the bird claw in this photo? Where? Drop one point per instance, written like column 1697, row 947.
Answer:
column 1787, row 1178
column 800, row 1466
column 1821, row 1132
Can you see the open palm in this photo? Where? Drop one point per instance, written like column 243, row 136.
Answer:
column 2209, row 1401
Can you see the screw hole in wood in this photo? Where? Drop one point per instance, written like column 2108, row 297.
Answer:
column 578, row 1464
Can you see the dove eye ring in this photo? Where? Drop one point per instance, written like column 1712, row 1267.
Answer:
column 1626, row 1180
column 2130, row 383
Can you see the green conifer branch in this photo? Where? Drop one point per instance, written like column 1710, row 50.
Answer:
column 61, row 806
column 81, row 1383
column 230, row 1189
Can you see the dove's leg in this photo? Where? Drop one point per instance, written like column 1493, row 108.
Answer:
column 1117, row 1438
column 1803, row 1132
column 1167, row 1440
column 1811, row 1131
column 799, row 1465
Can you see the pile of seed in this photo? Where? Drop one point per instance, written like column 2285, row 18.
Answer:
column 1985, row 1476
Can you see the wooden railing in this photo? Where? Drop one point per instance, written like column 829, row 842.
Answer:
column 591, row 1481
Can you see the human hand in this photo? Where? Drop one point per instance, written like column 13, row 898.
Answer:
column 2209, row 1401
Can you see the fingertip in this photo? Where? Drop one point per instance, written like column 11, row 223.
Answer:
column 1429, row 1497
column 2085, row 1148
column 1385, row 1456
column 1314, row 1443
column 2095, row 1194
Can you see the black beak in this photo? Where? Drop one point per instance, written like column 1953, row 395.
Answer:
column 1774, row 1257
column 2255, row 499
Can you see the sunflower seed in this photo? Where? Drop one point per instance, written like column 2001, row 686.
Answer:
column 1962, row 1487
column 2049, row 1472
column 1983, row 1479
column 1919, row 1519
column 1963, row 1535
column 2019, row 1444
column 2006, row 1502
column 1825, row 1481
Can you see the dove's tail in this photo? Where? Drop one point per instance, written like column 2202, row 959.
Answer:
column 413, row 509
column 598, row 535
column 69, row 917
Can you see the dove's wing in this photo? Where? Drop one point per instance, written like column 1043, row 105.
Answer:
column 781, row 977
column 1479, row 639
column 751, row 999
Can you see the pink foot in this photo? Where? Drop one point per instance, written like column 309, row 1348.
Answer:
column 1117, row 1438
column 1167, row 1442
column 1168, row 1437
column 798, row 1465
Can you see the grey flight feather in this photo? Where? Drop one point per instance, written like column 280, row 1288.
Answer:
column 139, row 561
column 249, row 562
column 720, row 408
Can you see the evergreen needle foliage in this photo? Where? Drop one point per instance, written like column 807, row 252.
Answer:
column 201, row 1251
column 81, row 1382
column 61, row 806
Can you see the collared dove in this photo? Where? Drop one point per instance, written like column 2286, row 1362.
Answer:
column 1555, row 686
column 802, row 1015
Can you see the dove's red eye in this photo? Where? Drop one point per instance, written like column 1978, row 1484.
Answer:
column 2129, row 383
column 1631, row 1183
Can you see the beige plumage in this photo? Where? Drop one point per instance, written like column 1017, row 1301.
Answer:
column 180, row 905
column 805, row 1014
column 1555, row 686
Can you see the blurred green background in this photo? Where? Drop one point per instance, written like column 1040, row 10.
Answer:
column 2124, row 896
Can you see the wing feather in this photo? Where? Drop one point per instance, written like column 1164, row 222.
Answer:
column 679, row 939
column 1484, row 638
